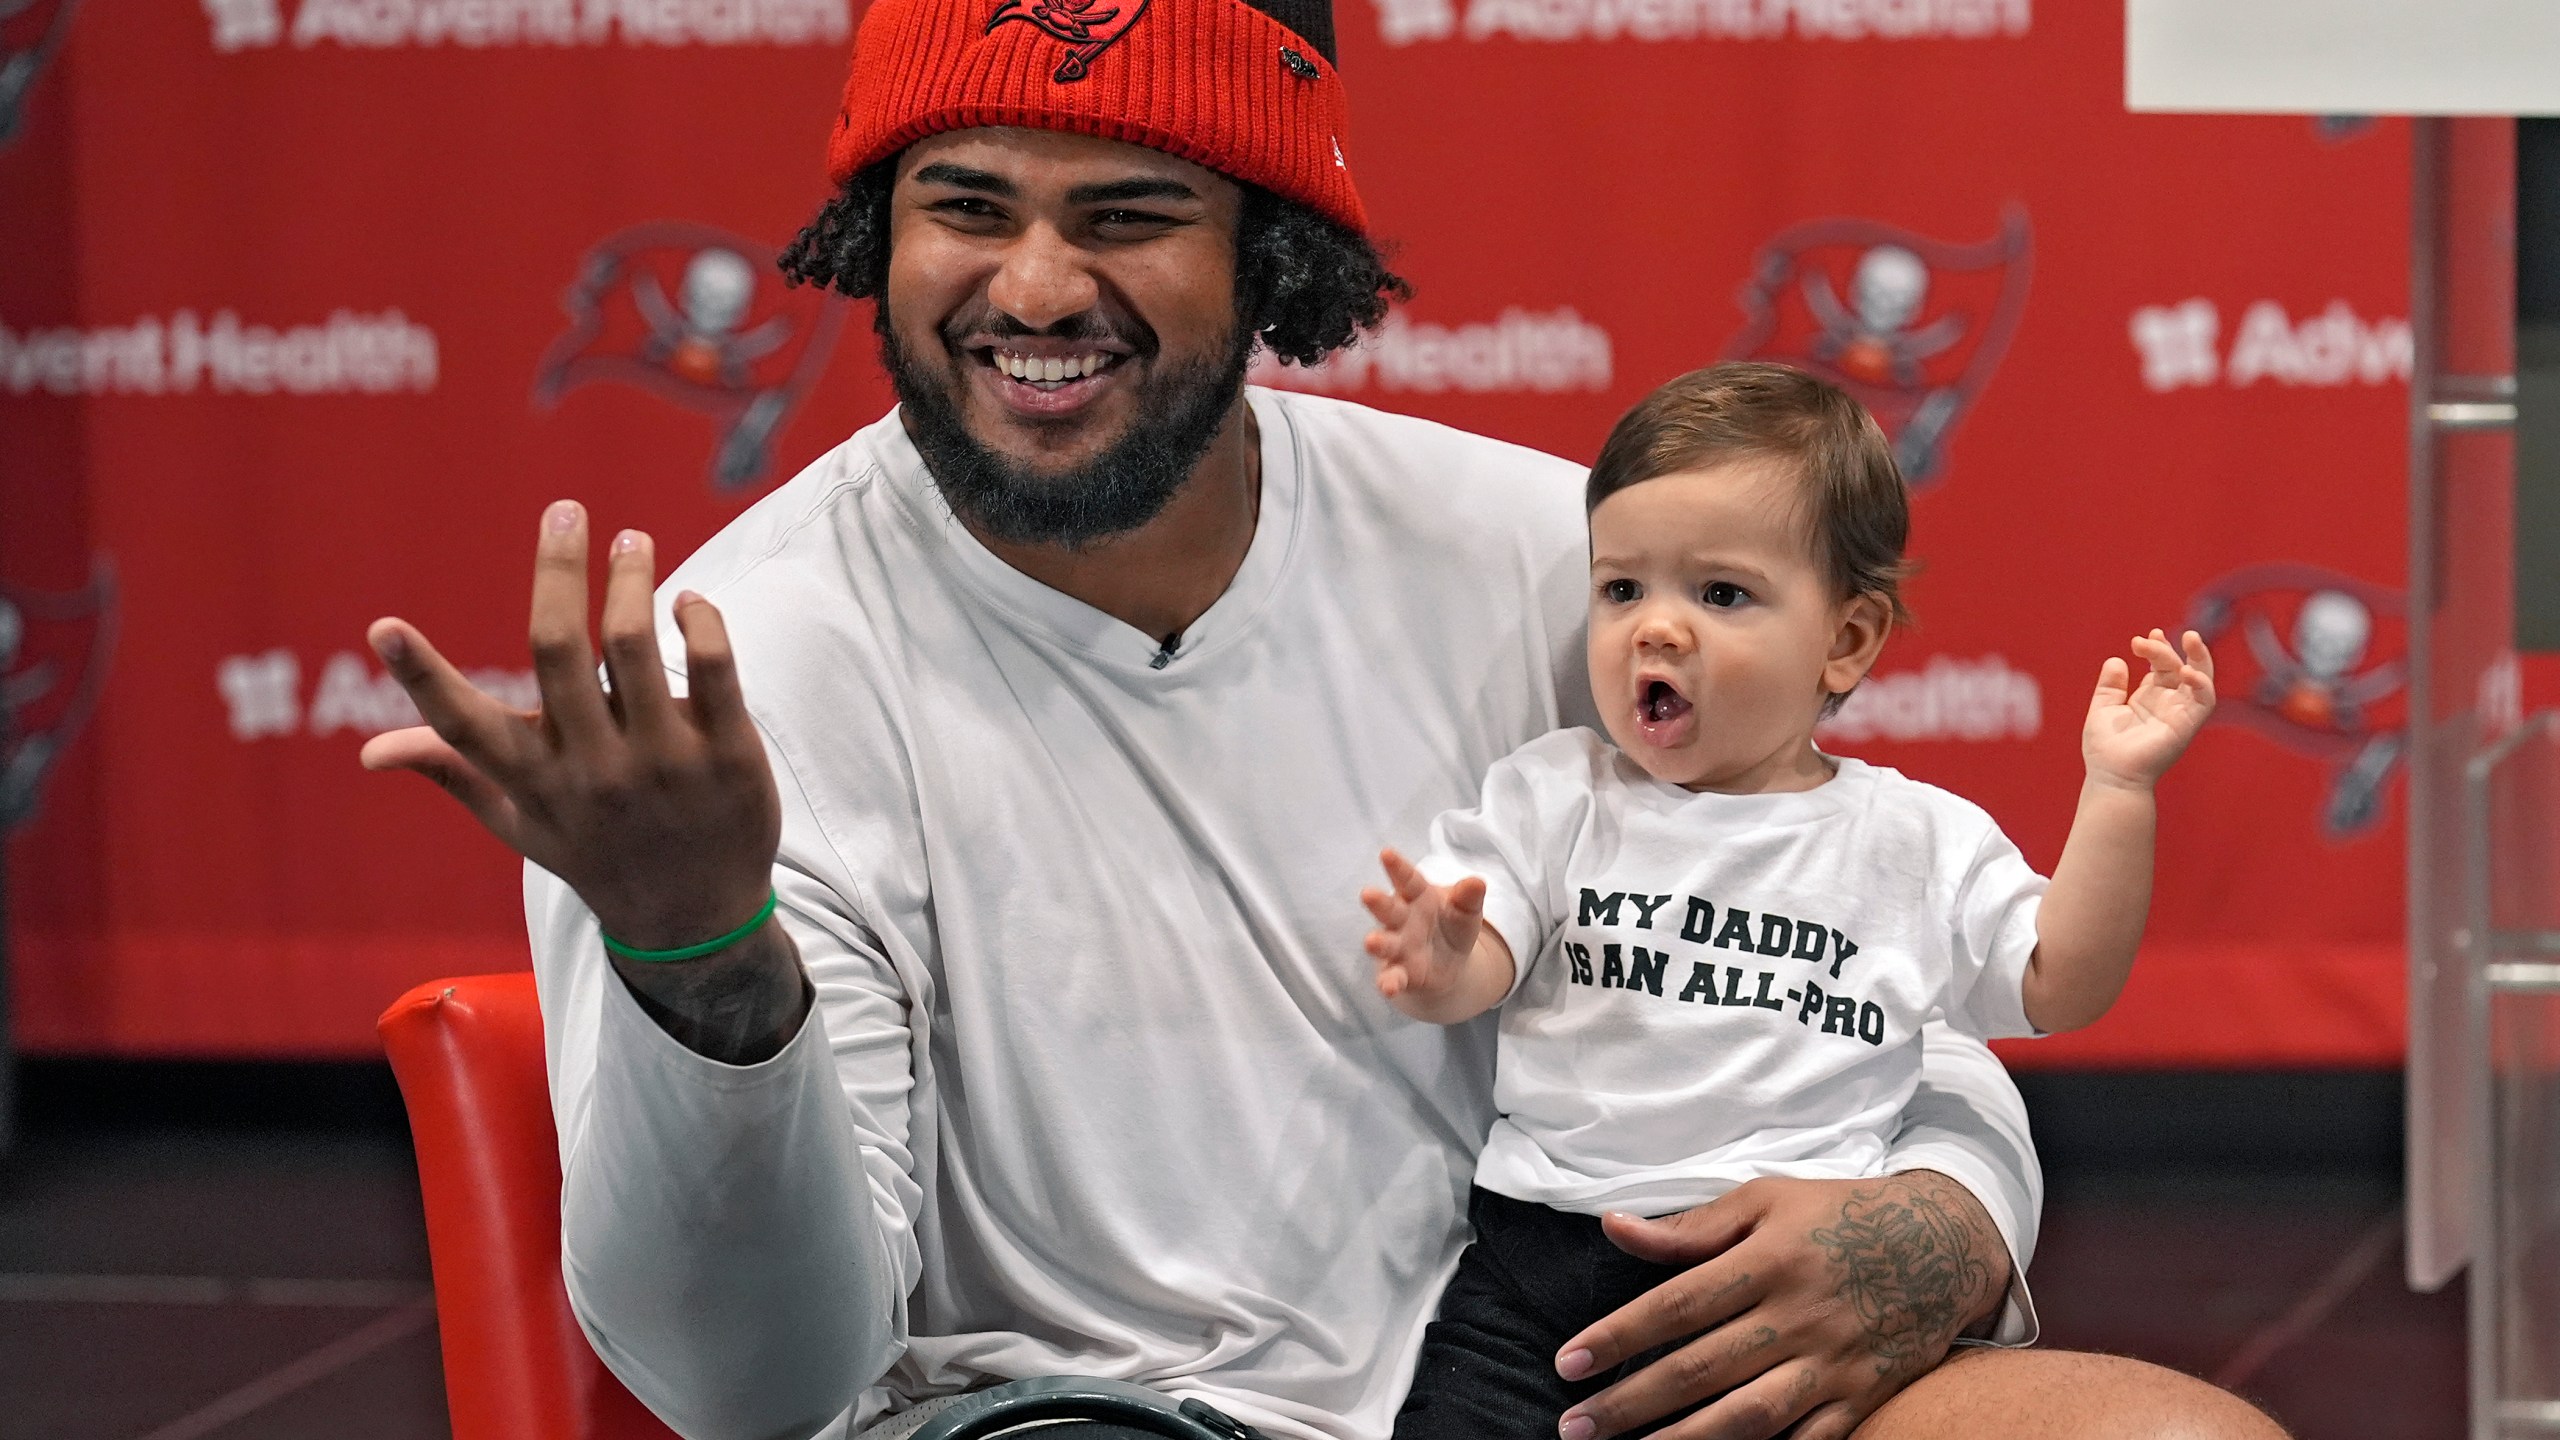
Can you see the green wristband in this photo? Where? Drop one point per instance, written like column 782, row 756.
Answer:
column 691, row 952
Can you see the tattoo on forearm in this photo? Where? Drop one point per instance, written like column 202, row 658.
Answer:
column 740, row 1006
column 1911, row 1267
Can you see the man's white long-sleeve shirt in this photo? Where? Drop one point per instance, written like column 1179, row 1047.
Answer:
column 1098, row 1081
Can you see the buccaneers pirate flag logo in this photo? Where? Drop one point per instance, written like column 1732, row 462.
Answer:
column 30, row 31
column 1911, row 326
column 1086, row 27
column 54, row 650
column 697, row 316
column 2325, row 675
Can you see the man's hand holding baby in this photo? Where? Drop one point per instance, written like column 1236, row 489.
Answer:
column 1437, row 959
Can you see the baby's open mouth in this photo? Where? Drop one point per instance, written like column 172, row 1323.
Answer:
column 1661, row 702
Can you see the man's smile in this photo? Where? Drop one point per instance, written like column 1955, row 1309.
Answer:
column 1045, row 379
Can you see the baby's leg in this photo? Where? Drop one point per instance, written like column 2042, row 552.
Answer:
column 1533, row 1278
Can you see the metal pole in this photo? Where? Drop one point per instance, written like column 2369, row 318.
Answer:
column 8, row 1049
column 2479, row 906
column 2486, row 953
column 2429, row 1266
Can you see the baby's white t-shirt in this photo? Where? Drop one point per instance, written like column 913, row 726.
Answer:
column 1714, row 988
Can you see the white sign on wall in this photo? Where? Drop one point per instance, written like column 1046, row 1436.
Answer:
column 2343, row 57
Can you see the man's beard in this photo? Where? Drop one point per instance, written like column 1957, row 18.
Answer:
column 1178, row 414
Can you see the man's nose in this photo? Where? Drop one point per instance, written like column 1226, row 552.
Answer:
column 1043, row 279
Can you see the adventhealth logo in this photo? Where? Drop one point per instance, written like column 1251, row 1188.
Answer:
column 2181, row 346
column 1949, row 698
column 1402, row 22
column 264, row 697
column 480, row 24
column 1521, row 352
column 350, row 353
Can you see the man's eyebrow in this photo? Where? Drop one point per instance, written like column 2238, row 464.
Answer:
column 1140, row 188
column 943, row 172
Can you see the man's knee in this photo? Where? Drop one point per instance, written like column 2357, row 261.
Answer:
column 2063, row 1395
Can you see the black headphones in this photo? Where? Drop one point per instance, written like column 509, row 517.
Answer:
column 1072, row 1408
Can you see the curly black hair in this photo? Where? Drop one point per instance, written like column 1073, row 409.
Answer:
column 1305, row 285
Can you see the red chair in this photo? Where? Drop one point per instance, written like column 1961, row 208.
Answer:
column 468, row 1053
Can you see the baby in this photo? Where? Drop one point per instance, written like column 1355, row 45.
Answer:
column 1713, row 944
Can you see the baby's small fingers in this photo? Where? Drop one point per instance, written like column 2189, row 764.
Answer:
column 2115, row 681
column 1408, row 880
column 2164, row 662
column 1386, row 905
column 1467, row 896
column 2199, row 654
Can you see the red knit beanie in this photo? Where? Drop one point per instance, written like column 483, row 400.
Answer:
column 1216, row 82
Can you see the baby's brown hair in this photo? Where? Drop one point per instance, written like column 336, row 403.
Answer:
column 1857, row 505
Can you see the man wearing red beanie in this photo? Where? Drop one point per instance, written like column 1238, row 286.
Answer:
column 947, row 973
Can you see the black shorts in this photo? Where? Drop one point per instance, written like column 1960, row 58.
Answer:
column 1531, row 1281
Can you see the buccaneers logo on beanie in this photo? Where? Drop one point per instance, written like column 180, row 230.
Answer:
column 1246, row 89
column 1087, row 31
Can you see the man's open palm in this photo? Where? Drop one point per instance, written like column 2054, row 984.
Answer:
column 658, row 810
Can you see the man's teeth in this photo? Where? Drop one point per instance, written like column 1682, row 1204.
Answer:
column 1032, row 367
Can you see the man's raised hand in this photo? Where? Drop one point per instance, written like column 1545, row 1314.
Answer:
column 659, row 811
column 1437, row 960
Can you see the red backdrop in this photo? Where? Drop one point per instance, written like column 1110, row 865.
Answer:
column 311, row 304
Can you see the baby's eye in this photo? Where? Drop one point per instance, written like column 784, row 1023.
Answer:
column 1724, row 594
column 1621, row 592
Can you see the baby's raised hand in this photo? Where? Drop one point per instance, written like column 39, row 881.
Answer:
column 1426, row 933
column 2135, row 732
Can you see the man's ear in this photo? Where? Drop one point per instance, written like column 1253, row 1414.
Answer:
column 1858, row 638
